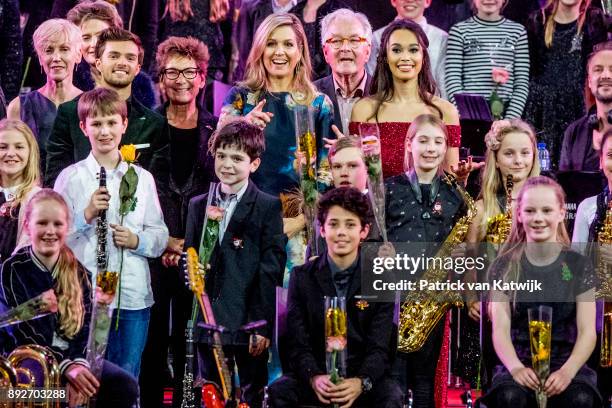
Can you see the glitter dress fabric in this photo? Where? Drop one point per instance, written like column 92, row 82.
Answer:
column 392, row 139
column 557, row 78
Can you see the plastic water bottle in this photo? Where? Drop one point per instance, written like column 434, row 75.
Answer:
column 544, row 157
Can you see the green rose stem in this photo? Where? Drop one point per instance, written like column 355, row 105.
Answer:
column 119, row 288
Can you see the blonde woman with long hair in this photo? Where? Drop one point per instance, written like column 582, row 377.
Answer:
column 279, row 78
column 538, row 249
column 49, row 269
column 19, row 180
column 561, row 36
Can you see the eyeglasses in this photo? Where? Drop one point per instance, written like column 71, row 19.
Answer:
column 353, row 42
column 188, row 73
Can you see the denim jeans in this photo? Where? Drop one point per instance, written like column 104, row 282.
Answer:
column 125, row 345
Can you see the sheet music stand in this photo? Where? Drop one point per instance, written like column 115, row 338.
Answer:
column 475, row 118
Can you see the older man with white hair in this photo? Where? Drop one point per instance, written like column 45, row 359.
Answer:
column 414, row 10
column 346, row 37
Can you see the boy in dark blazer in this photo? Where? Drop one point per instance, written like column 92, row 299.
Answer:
column 345, row 217
column 248, row 260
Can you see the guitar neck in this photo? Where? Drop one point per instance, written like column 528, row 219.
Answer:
column 217, row 348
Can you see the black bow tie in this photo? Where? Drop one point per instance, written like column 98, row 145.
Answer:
column 227, row 197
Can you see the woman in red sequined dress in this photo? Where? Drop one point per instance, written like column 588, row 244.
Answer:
column 402, row 89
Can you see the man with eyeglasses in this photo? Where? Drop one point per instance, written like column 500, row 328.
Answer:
column 346, row 38
column 413, row 10
column 119, row 55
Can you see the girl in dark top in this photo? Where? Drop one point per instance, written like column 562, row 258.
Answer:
column 19, row 180
column 422, row 207
column 50, row 268
column 561, row 36
column 58, row 46
column 538, row 248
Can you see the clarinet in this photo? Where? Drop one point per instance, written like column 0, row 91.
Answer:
column 101, row 230
column 188, row 394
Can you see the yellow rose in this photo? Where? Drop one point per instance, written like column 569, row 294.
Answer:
column 128, row 152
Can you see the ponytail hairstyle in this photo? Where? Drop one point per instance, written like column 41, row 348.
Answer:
column 514, row 247
column 67, row 274
column 424, row 119
column 30, row 176
column 548, row 16
column 382, row 88
column 492, row 181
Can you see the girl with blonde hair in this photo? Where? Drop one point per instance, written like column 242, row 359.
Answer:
column 49, row 269
column 19, row 180
column 422, row 206
column 58, row 45
column 561, row 36
column 538, row 248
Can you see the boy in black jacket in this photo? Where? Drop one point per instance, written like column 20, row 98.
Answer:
column 345, row 216
column 248, row 259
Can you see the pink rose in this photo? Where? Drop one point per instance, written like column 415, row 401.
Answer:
column 214, row 213
column 335, row 343
column 500, row 75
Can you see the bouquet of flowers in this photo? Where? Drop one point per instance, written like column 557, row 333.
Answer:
column 540, row 330
column 370, row 141
column 497, row 105
column 335, row 338
column 307, row 167
column 127, row 202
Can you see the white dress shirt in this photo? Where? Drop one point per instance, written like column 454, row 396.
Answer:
column 228, row 205
column 585, row 215
column 437, row 52
column 77, row 183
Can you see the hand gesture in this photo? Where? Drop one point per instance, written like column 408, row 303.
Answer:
column 292, row 226
column 526, row 377
column 99, row 201
column 464, row 168
column 329, row 143
column 557, row 382
column 75, row 398
column 82, row 379
column 173, row 252
column 50, row 301
column 123, row 237
column 322, row 385
column 258, row 117
column 103, row 298
column 346, row 392
column 259, row 344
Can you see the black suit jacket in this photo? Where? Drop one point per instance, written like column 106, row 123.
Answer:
column 326, row 85
column 370, row 332
column 67, row 144
column 174, row 199
column 577, row 151
column 249, row 263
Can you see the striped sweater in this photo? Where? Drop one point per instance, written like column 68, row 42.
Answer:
column 475, row 46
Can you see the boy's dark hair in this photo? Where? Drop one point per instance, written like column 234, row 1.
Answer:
column 118, row 34
column 348, row 198
column 239, row 134
column 101, row 101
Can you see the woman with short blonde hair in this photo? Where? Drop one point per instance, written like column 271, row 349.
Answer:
column 58, row 45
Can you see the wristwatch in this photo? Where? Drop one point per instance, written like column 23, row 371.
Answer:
column 366, row 383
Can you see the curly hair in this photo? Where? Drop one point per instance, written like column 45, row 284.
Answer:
column 188, row 47
column 348, row 198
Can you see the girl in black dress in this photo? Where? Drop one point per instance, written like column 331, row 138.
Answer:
column 538, row 248
column 19, row 180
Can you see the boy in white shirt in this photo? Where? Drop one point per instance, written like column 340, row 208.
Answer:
column 137, row 235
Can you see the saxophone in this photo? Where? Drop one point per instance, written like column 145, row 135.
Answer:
column 421, row 311
column 499, row 226
column 604, row 236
